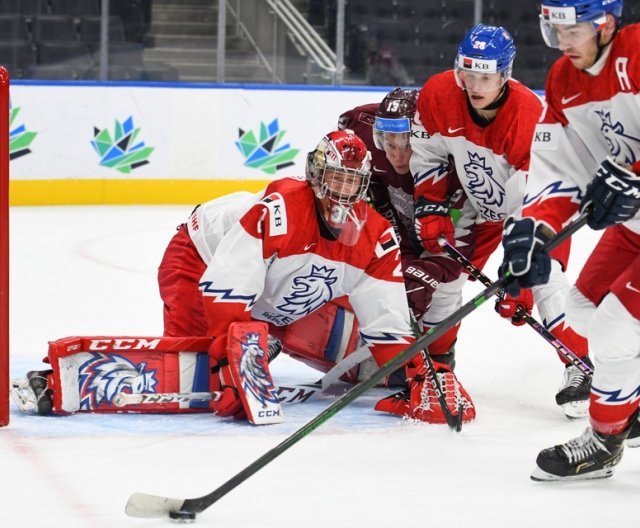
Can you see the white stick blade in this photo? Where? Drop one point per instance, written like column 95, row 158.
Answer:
column 149, row 506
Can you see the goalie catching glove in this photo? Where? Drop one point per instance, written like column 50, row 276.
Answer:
column 420, row 401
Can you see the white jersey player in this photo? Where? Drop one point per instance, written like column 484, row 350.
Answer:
column 483, row 120
column 244, row 263
column 586, row 155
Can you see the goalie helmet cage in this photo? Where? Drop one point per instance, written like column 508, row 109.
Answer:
column 4, row 247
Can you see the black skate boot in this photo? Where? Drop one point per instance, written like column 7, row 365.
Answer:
column 44, row 396
column 274, row 347
column 590, row 456
column 633, row 440
column 573, row 395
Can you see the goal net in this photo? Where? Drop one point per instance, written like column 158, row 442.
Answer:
column 4, row 246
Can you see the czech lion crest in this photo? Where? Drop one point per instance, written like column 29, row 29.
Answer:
column 103, row 376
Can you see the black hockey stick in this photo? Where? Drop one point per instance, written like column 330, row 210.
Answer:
column 454, row 422
column 149, row 506
column 562, row 349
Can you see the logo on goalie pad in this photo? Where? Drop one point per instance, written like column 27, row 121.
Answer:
column 255, row 380
column 102, row 377
column 246, row 351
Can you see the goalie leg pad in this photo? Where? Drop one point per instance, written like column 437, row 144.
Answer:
column 88, row 373
column 324, row 338
column 246, row 345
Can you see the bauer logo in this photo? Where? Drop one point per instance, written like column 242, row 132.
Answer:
column 19, row 138
column 123, row 151
column 266, row 150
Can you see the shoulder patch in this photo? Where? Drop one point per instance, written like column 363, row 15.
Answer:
column 546, row 137
column 277, row 214
column 386, row 243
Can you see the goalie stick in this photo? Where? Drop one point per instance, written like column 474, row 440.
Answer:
column 562, row 349
column 286, row 394
column 148, row 506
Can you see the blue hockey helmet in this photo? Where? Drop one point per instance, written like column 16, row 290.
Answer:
column 485, row 50
column 574, row 12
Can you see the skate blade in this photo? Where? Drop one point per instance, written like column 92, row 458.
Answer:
column 540, row 475
column 576, row 410
column 632, row 442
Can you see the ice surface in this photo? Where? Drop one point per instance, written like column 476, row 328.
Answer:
column 91, row 270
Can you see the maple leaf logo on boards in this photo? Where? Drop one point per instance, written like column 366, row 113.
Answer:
column 19, row 138
column 122, row 152
column 265, row 152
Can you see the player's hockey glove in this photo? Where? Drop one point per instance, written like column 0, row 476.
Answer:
column 507, row 307
column 614, row 195
column 522, row 240
column 421, row 279
column 432, row 220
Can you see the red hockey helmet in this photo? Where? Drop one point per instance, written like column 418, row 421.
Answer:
column 339, row 172
column 339, row 167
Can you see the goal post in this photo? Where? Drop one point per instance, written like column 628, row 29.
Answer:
column 4, row 247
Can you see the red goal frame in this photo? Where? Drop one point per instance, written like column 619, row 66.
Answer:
column 4, row 246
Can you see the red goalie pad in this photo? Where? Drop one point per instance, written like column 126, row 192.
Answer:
column 323, row 338
column 89, row 372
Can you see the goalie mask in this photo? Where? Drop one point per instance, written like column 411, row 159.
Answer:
column 569, row 23
column 339, row 173
column 485, row 59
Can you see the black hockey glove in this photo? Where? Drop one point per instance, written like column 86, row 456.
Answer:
column 614, row 195
column 521, row 241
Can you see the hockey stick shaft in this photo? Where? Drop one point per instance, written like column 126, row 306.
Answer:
column 143, row 505
column 285, row 393
column 123, row 399
column 562, row 349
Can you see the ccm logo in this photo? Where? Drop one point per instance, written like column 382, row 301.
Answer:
column 266, row 414
column 123, row 344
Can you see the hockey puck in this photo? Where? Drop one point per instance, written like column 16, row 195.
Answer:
column 182, row 516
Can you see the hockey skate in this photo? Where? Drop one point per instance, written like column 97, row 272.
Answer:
column 592, row 455
column 32, row 394
column 633, row 440
column 399, row 403
column 426, row 407
column 573, row 395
